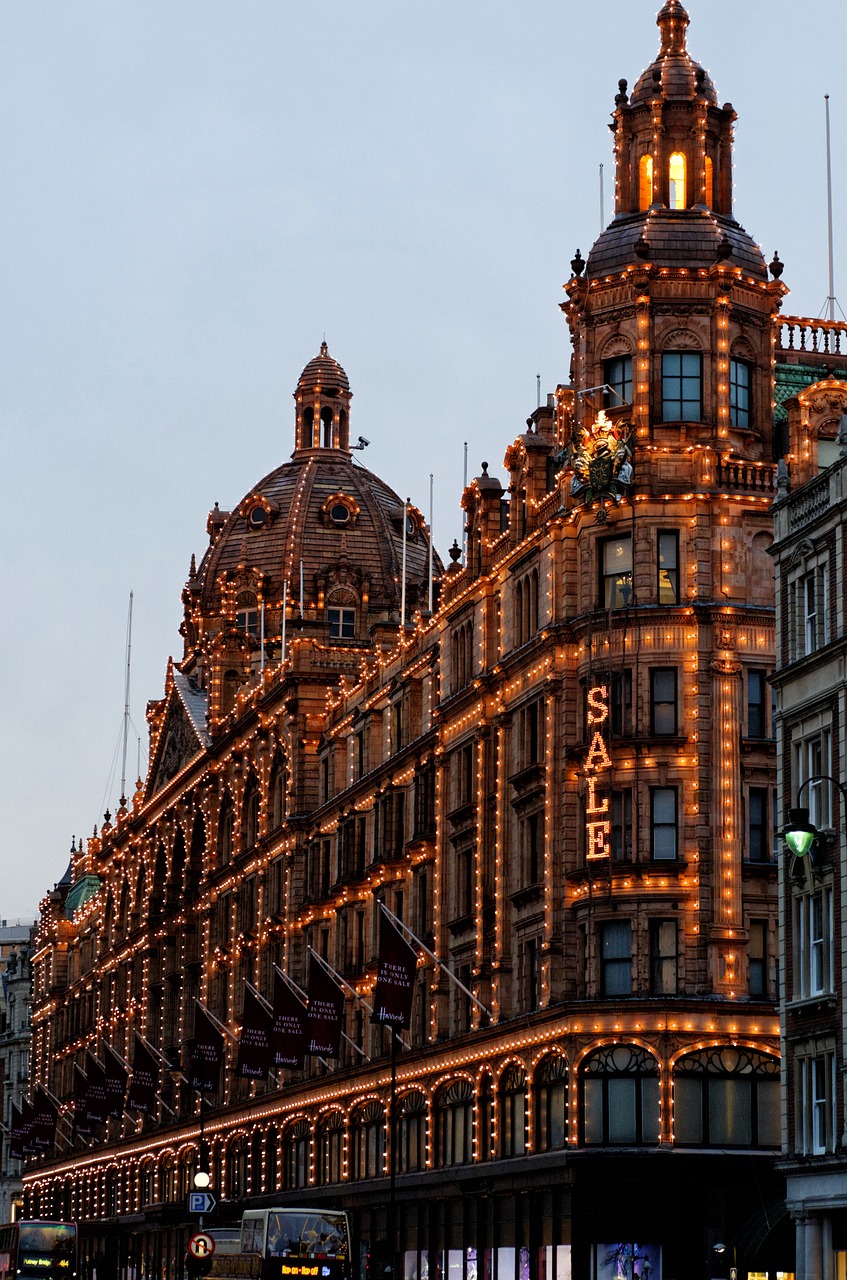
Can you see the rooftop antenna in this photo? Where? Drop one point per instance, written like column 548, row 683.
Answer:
column 464, row 522
column 429, row 594
column 538, row 389
column 831, row 298
column 602, row 202
column 126, row 699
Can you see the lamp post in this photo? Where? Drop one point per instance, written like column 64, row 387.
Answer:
column 202, row 1178
column 800, row 834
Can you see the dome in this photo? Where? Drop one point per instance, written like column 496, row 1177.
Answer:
column 674, row 74
column 695, row 239
column 320, row 520
column 324, row 372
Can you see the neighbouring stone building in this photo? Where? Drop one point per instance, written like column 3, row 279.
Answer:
column 563, row 780
column 809, row 553
column 16, row 939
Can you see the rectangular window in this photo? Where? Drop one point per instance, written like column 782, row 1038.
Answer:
column 814, row 598
column 682, row 386
column 667, row 563
column 533, row 828
column 757, row 959
column 622, row 826
column 616, row 958
column 740, row 378
column 617, row 375
column 813, row 945
column 817, row 1100
column 663, row 958
column 663, row 823
column 757, row 702
column 463, row 779
column 528, row 976
column 812, row 764
column 621, row 704
column 758, row 846
column 342, row 624
column 616, row 572
column 397, row 726
column 663, row 702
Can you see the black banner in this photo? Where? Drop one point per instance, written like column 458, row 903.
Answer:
column 44, row 1120
column 325, row 1013
column 145, row 1078
column 116, row 1081
column 95, row 1096
column 288, row 1037
column 28, row 1128
column 81, row 1125
column 207, row 1053
column 16, row 1134
column 254, row 1045
column 395, row 976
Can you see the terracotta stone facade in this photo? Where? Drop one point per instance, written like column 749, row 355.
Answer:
column 563, row 781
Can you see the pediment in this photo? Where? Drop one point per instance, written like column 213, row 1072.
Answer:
column 183, row 734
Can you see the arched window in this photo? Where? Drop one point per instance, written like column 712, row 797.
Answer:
column 256, row 1149
column 225, row 831
column 271, row 1159
column 194, row 871
column 250, row 823
column 236, row 1169
column 277, row 805
column 726, row 1098
column 295, row 1149
column 676, row 181
column 112, row 1194
column 485, row 1117
column 167, row 1180
column 710, row 182
column 513, row 1111
column 330, row 1148
column 645, row 182
column 411, row 1132
column 454, row 1124
column 307, row 437
column 551, row 1104
column 185, row 1173
column 176, row 881
column 230, row 689
column 146, row 1184
column 620, row 1097
column 367, row 1141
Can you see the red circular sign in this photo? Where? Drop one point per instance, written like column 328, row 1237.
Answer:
column 201, row 1246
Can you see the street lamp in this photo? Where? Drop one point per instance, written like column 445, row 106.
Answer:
column 801, row 835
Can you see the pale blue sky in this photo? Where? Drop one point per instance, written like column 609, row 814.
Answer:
column 194, row 191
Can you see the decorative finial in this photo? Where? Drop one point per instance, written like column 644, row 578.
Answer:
column 724, row 249
column 455, row 552
column 578, row 264
column 192, row 570
column 324, row 348
column 776, row 267
column 641, row 248
column 672, row 22
column 485, row 468
column 783, row 484
column 621, row 97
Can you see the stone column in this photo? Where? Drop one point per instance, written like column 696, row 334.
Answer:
column 812, row 1253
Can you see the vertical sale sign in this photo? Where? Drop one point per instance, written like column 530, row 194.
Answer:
column 598, row 763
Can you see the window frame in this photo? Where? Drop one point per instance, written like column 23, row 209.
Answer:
column 661, row 984
column 655, row 826
column 737, row 410
column 620, row 380
column 656, row 703
column 615, row 967
column 614, row 583
column 674, row 386
column 670, row 536
column 342, row 622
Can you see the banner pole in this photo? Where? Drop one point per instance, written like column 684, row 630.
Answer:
column 392, row 1161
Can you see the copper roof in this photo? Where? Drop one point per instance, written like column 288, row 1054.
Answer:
column 689, row 238
column 674, row 74
column 323, row 371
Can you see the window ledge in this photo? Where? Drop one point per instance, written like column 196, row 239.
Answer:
column 811, row 1006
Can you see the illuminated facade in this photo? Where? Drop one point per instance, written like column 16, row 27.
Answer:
column 809, row 550
column 563, row 781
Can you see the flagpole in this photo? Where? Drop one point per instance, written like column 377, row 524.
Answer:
column 434, row 957
column 392, row 1160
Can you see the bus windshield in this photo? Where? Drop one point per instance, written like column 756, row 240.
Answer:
column 315, row 1235
column 46, row 1247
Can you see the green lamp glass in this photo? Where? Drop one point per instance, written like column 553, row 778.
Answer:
column 799, row 834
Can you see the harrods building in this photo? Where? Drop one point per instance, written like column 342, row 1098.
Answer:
column 562, row 779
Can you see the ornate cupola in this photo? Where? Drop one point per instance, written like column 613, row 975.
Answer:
column 673, row 310
column 323, row 398
column 673, row 141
